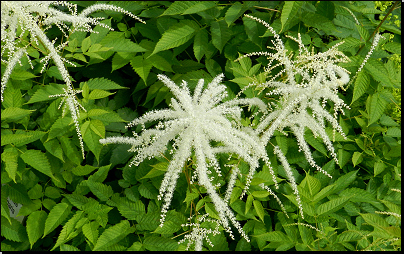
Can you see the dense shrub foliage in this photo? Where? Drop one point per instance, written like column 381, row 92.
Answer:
column 212, row 125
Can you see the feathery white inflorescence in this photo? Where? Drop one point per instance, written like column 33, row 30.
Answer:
column 20, row 15
column 302, row 103
column 198, row 233
column 320, row 79
column 192, row 122
column 374, row 44
column 289, row 173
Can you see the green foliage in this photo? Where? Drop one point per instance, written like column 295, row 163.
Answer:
column 100, row 203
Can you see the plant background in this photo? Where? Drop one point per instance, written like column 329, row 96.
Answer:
column 100, row 203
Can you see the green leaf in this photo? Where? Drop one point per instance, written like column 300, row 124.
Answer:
column 28, row 209
column 12, row 98
column 71, row 152
column 90, row 231
column 188, row 7
column 394, row 132
column 149, row 221
column 43, row 93
column 190, row 196
column 260, row 194
column 344, row 181
column 234, row 12
column 319, row 21
column 5, row 210
column 98, row 94
column 387, row 121
column 378, row 72
column 92, row 132
column 178, row 7
column 379, row 167
column 13, row 231
column 306, row 234
column 221, row 33
column 248, row 203
column 18, row 193
column 147, row 190
column 274, row 236
column 160, row 62
column 77, row 200
column 19, row 74
column 361, row 195
column 56, row 216
column 68, row 247
column 362, row 32
column 289, row 11
column 60, row 127
column 172, row 223
column 120, row 59
column 53, row 147
column 325, row 8
column 259, row 209
column 357, row 158
column 375, row 107
column 101, row 174
column 210, row 209
column 311, row 184
column 361, row 85
column 112, row 235
column 350, row 42
column 52, row 192
column 21, row 138
column 35, row 226
column 200, row 42
column 155, row 243
column 349, row 236
column 141, row 66
column 177, row 35
column 343, row 157
column 157, row 170
column 85, row 44
column 331, row 206
column 243, row 245
column 130, row 209
column 39, row 161
column 68, row 231
column 314, row 142
column 375, row 220
column 100, row 190
column 77, row 56
column 117, row 42
column 393, row 47
column 83, row 170
column 122, row 27
column 136, row 246
column 14, row 114
column 10, row 158
column 199, row 7
column 103, row 84
column 251, row 29
column 105, row 116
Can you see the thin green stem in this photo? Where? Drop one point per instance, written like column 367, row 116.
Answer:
column 377, row 28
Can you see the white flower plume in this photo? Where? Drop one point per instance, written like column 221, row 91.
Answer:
column 198, row 232
column 310, row 80
column 192, row 123
column 35, row 17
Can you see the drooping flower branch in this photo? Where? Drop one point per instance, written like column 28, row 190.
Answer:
column 35, row 17
column 311, row 80
column 198, row 232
